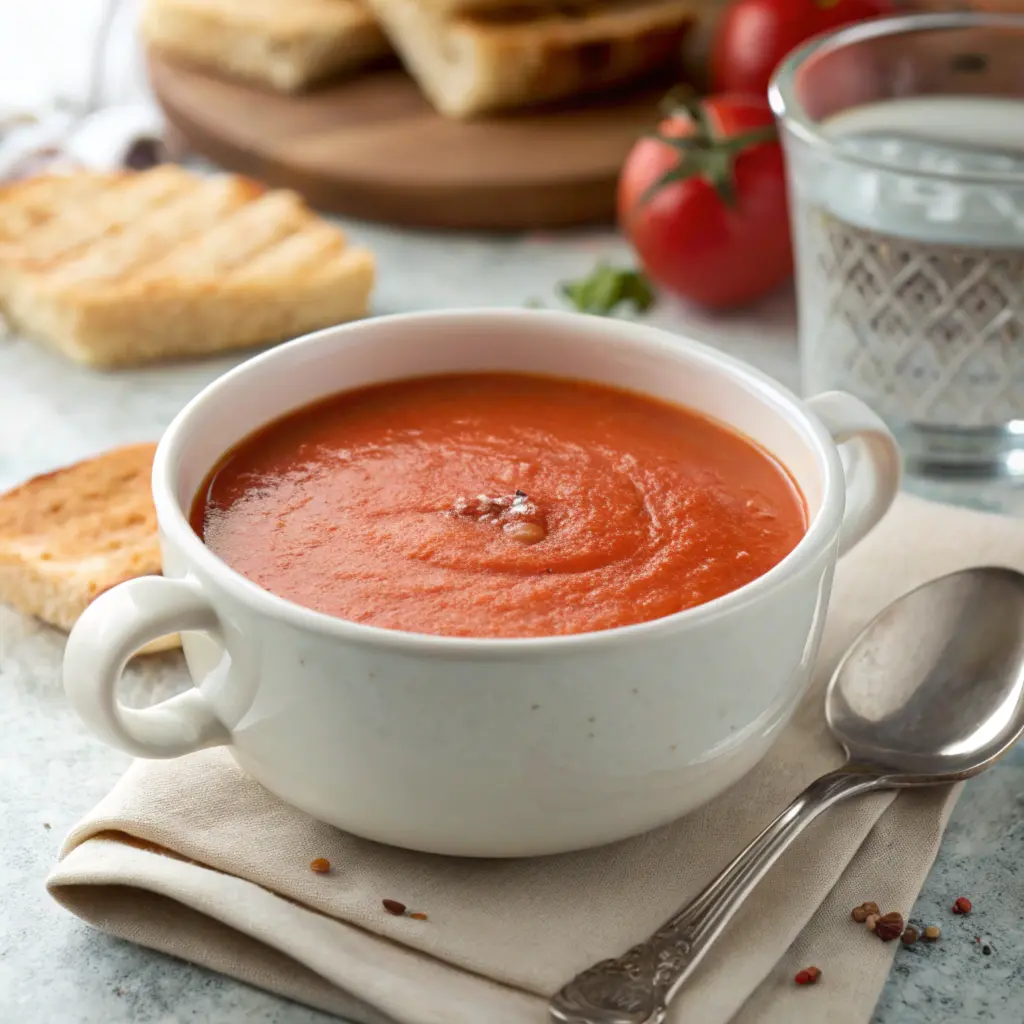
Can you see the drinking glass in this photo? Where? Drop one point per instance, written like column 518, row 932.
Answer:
column 904, row 142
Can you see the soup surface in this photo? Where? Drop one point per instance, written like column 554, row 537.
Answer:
column 498, row 505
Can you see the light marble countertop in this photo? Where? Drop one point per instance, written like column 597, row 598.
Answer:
column 54, row 969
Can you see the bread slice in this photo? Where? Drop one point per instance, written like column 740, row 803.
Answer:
column 285, row 44
column 67, row 536
column 496, row 58
column 124, row 269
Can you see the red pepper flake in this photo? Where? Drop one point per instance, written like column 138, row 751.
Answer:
column 808, row 976
column 961, row 905
column 418, row 916
column 394, row 907
column 321, row 866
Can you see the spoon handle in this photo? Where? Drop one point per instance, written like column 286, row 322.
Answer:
column 637, row 987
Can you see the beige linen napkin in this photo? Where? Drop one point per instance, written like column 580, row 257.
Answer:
column 193, row 858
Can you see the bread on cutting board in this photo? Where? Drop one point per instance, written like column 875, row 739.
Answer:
column 129, row 268
column 67, row 536
column 288, row 45
column 471, row 60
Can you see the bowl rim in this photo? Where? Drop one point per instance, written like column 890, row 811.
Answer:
column 200, row 561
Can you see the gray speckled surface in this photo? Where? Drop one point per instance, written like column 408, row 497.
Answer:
column 55, row 970
column 982, row 857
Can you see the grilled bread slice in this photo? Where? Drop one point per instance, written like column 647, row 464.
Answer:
column 495, row 58
column 286, row 44
column 67, row 536
column 124, row 269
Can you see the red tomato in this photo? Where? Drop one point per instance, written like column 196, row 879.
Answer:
column 704, row 203
column 753, row 36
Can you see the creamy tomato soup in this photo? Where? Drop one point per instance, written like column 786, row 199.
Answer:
column 498, row 505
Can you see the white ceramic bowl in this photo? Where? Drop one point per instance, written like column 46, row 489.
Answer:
column 483, row 747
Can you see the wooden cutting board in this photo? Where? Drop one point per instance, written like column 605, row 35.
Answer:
column 372, row 147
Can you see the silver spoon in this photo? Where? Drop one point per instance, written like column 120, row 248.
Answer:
column 931, row 692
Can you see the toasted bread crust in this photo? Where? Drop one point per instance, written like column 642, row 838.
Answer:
column 69, row 535
column 125, row 269
column 286, row 44
column 504, row 58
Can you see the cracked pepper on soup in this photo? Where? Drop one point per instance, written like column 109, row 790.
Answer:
column 498, row 505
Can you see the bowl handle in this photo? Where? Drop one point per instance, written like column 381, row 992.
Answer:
column 116, row 625
column 873, row 464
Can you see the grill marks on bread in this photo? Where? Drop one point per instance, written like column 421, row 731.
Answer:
column 129, row 268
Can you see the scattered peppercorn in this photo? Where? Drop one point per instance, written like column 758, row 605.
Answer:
column 394, row 907
column 321, row 865
column 961, row 905
column 932, row 932
column 889, row 926
column 871, row 921
column 418, row 916
column 808, row 976
column 860, row 914
column 909, row 936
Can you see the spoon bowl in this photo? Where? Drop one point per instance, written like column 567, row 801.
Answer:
column 933, row 688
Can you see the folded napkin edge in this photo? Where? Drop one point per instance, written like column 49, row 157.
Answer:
column 390, row 980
